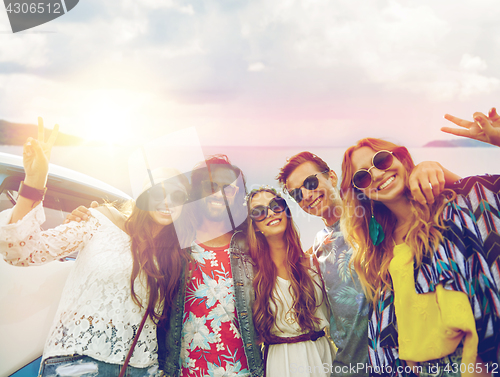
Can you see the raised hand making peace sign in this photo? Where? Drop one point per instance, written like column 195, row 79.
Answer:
column 36, row 156
column 484, row 128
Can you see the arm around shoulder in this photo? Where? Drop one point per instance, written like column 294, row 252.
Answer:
column 450, row 178
column 24, row 244
column 115, row 216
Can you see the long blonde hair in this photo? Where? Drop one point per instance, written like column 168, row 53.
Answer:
column 301, row 283
column 372, row 262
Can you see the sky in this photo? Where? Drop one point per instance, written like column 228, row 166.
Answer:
column 255, row 73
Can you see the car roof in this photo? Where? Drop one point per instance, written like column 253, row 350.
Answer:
column 14, row 164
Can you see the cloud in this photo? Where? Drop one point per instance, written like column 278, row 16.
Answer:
column 472, row 63
column 25, row 50
column 256, row 67
column 397, row 46
column 284, row 65
column 453, row 82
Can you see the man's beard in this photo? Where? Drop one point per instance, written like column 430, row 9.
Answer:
column 214, row 212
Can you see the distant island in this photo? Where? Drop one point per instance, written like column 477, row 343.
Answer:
column 17, row 133
column 463, row 143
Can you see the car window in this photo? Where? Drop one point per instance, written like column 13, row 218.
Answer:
column 54, row 210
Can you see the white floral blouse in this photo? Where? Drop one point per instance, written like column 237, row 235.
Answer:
column 96, row 316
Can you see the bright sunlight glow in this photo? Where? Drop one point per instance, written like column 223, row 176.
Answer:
column 108, row 118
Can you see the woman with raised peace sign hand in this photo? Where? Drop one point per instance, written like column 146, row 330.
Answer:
column 126, row 271
column 36, row 156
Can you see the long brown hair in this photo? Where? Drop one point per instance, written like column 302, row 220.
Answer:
column 301, row 283
column 159, row 258
column 372, row 262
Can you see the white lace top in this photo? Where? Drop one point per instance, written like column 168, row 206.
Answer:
column 96, row 315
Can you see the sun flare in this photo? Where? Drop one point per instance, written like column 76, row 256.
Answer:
column 108, row 118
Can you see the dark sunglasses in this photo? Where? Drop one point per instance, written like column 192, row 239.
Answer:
column 229, row 189
column 382, row 160
column 310, row 183
column 174, row 195
column 259, row 213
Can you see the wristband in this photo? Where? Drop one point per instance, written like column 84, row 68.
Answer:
column 29, row 192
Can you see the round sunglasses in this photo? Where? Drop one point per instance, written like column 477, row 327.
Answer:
column 259, row 213
column 174, row 195
column 382, row 160
column 310, row 183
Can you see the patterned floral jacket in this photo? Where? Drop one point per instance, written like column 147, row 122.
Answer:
column 460, row 264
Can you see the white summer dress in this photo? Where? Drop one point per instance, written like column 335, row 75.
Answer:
column 309, row 358
column 96, row 316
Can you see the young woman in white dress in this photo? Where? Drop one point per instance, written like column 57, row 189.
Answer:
column 290, row 310
column 125, row 268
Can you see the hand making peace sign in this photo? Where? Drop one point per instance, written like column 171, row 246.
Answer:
column 484, row 128
column 36, row 156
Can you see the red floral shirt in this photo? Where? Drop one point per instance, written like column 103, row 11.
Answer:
column 211, row 340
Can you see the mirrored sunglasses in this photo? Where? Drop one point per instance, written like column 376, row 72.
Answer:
column 310, row 183
column 381, row 160
column 259, row 213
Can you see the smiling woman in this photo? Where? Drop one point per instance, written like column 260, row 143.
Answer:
column 427, row 273
column 289, row 311
column 136, row 262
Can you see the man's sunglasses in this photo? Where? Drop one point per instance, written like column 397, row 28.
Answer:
column 381, row 160
column 259, row 213
column 310, row 183
column 213, row 187
column 174, row 195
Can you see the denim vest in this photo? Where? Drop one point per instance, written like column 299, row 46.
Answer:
column 169, row 331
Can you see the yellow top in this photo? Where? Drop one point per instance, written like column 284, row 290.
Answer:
column 430, row 325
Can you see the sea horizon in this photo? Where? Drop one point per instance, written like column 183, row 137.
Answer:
column 261, row 165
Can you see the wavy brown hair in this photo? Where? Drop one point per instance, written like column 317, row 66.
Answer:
column 372, row 262
column 159, row 259
column 301, row 283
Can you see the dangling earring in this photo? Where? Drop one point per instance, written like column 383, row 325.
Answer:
column 376, row 232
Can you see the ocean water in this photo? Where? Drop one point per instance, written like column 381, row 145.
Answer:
column 261, row 165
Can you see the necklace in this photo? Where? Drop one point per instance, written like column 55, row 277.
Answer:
column 290, row 315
